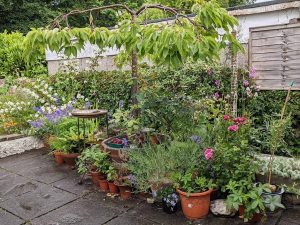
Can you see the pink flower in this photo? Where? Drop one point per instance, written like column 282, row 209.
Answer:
column 210, row 72
column 252, row 73
column 226, row 117
column 246, row 83
column 216, row 95
column 233, row 128
column 239, row 120
column 208, row 153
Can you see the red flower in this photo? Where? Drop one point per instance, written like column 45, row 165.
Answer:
column 208, row 153
column 226, row 117
column 239, row 120
column 233, row 128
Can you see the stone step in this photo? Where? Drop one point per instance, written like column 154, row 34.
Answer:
column 16, row 144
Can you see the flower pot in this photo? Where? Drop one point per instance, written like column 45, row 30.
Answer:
column 59, row 159
column 267, row 195
column 96, row 176
column 113, row 188
column 168, row 208
column 255, row 218
column 154, row 140
column 195, row 205
column 103, row 185
column 70, row 158
column 125, row 192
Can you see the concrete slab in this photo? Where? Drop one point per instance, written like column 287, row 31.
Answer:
column 84, row 211
column 12, row 185
column 291, row 216
column 37, row 202
column 130, row 220
column 7, row 218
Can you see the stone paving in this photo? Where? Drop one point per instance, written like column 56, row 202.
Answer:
column 34, row 191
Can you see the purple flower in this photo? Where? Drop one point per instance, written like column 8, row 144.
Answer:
column 57, row 101
column 216, row 95
column 121, row 102
column 196, row 139
column 37, row 124
column 217, row 83
column 38, row 109
column 246, row 83
column 87, row 105
column 125, row 142
column 210, row 72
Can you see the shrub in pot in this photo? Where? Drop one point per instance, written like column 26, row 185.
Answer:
column 92, row 160
column 194, row 192
column 58, row 147
column 247, row 198
column 125, row 187
column 112, row 175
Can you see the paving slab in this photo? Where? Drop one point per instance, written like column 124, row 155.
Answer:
column 84, row 211
column 291, row 216
column 12, row 185
column 70, row 184
column 130, row 220
column 37, row 202
column 7, row 218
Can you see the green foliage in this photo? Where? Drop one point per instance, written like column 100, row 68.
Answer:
column 11, row 59
column 111, row 173
column 59, row 144
column 244, row 193
column 169, row 44
column 92, row 158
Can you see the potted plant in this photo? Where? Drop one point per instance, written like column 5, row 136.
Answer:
column 170, row 199
column 194, row 192
column 89, row 161
column 112, row 175
column 58, row 147
column 273, row 196
column 247, row 198
column 124, row 185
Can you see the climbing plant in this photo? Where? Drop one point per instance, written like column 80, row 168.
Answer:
column 163, row 43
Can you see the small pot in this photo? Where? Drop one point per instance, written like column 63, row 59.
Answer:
column 125, row 192
column 96, row 176
column 103, row 185
column 59, row 159
column 70, row 158
column 255, row 218
column 169, row 209
column 113, row 188
column 195, row 205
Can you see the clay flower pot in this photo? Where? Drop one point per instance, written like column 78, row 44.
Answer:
column 70, row 158
column 195, row 205
column 96, row 176
column 255, row 218
column 113, row 188
column 59, row 159
column 103, row 185
column 125, row 192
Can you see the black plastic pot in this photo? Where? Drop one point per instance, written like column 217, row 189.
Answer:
column 169, row 209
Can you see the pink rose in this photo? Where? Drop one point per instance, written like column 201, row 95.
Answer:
column 226, row 117
column 239, row 120
column 233, row 128
column 208, row 153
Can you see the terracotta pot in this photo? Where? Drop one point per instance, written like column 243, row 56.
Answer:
column 195, row 205
column 113, row 188
column 96, row 176
column 255, row 218
column 59, row 159
column 154, row 140
column 125, row 192
column 70, row 158
column 103, row 185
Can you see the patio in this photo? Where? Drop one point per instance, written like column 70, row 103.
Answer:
column 33, row 190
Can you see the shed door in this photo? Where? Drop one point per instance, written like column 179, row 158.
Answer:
column 275, row 53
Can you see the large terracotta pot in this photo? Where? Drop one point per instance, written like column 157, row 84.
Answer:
column 70, row 158
column 125, row 192
column 113, row 188
column 59, row 159
column 195, row 205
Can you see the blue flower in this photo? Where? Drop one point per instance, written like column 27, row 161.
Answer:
column 121, row 103
column 87, row 105
column 196, row 139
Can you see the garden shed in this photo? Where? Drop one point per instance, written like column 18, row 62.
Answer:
column 269, row 31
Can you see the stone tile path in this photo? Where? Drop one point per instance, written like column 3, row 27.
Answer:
column 34, row 191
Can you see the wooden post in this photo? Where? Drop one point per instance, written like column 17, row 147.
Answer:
column 234, row 81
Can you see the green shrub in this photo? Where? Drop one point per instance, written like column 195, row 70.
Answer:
column 11, row 58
